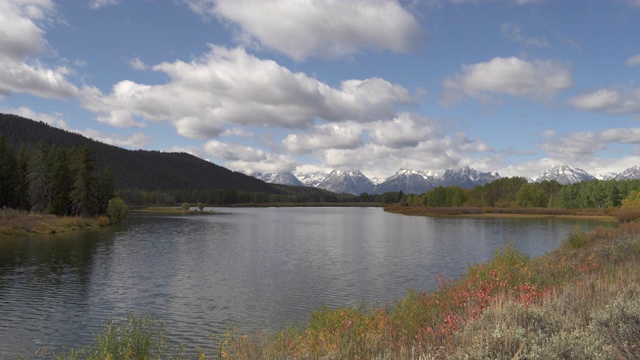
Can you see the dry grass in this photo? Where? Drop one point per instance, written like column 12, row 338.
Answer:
column 18, row 222
column 601, row 214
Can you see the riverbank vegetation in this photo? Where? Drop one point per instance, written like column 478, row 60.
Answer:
column 579, row 301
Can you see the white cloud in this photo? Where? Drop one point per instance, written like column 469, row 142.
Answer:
column 583, row 146
column 135, row 141
column 226, row 151
column 231, row 87
column 97, row 4
column 633, row 61
column 614, row 100
column 21, row 41
column 537, row 80
column 138, row 64
column 337, row 136
column 405, row 130
column 513, row 32
column 53, row 119
column 323, row 28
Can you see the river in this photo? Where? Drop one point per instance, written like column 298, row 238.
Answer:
column 257, row 268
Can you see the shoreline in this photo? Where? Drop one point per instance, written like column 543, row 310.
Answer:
column 606, row 215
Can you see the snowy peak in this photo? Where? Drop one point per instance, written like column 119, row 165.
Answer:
column 312, row 179
column 565, row 174
column 467, row 177
column 409, row 181
column 631, row 173
column 282, row 178
column 352, row 182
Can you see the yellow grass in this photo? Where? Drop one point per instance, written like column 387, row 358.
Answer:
column 17, row 222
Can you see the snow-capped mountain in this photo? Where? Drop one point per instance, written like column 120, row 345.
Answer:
column 419, row 181
column 629, row 174
column 352, row 182
column 283, row 178
column 565, row 174
column 312, row 179
column 409, row 181
column 467, row 177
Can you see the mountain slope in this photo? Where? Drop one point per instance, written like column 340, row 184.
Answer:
column 631, row 173
column 351, row 182
column 565, row 174
column 409, row 181
column 281, row 178
column 139, row 169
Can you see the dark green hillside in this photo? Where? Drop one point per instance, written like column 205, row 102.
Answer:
column 142, row 170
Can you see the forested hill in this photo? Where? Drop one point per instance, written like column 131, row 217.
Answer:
column 139, row 169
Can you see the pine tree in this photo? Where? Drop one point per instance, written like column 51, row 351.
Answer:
column 84, row 192
column 39, row 188
column 8, row 170
column 60, row 181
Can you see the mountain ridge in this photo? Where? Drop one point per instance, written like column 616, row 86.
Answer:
column 419, row 181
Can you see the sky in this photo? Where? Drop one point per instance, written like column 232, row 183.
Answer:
column 514, row 86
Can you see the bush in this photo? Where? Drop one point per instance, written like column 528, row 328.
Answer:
column 577, row 238
column 185, row 206
column 132, row 338
column 117, row 209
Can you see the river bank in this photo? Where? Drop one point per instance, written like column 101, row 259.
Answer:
column 578, row 301
column 603, row 214
column 19, row 223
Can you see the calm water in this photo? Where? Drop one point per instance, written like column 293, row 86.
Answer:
column 255, row 268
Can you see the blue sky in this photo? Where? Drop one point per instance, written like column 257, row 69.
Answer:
column 513, row 86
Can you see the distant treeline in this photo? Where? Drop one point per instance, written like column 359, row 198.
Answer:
column 289, row 195
column 518, row 192
column 52, row 180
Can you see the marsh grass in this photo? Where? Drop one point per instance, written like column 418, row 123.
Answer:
column 19, row 222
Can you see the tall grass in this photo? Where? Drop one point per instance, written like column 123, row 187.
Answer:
column 581, row 301
column 19, row 222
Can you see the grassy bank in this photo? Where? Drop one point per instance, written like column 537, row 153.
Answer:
column 600, row 214
column 18, row 222
column 580, row 301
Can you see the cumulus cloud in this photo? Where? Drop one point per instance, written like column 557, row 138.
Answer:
column 325, row 136
column 21, row 42
column 633, row 61
column 54, row 119
column 405, row 130
column 234, row 152
column 322, row 28
column 615, row 100
column 582, row 146
column 230, row 86
column 434, row 152
column 136, row 140
column 513, row 32
column 538, row 80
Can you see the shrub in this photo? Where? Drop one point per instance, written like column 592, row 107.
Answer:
column 136, row 337
column 117, row 209
column 577, row 238
column 185, row 206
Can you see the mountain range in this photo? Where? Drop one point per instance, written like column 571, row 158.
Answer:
column 419, row 181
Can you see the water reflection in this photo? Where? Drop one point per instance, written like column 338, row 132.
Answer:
column 257, row 268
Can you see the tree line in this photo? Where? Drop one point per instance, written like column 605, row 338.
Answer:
column 49, row 179
column 518, row 192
